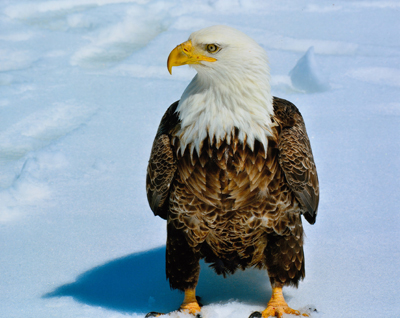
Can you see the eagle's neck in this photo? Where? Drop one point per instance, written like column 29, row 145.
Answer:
column 213, row 108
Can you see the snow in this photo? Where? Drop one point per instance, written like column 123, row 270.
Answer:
column 83, row 87
column 305, row 75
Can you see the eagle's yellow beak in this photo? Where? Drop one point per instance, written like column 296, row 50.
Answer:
column 186, row 53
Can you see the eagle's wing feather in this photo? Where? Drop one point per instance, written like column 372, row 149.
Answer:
column 162, row 164
column 296, row 158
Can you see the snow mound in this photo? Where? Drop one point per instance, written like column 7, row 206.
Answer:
column 118, row 41
column 48, row 14
column 306, row 77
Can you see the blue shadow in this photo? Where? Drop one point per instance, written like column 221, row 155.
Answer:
column 137, row 283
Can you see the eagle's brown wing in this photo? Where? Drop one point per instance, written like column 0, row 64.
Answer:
column 296, row 158
column 162, row 164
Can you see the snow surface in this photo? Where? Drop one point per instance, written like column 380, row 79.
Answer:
column 305, row 75
column 83, row 87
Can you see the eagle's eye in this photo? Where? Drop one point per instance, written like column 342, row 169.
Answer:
column 212, row 48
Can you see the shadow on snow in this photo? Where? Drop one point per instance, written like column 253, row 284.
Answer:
column 137, row 283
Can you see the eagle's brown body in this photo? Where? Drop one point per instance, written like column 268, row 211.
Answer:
column 233, row 205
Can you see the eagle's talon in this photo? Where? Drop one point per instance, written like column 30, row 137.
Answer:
column 256, row 314
column 312, row 309
column 277, row 306
column 191, row 308
column 159, row 314
column 279, row 310
column 154, row 314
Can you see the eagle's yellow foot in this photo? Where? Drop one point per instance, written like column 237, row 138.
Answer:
column 189, row 309
column 276, row 307
column 279, row 310
column 192, row 308
column 190, row 304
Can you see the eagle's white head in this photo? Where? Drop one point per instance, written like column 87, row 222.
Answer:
column 231, row 89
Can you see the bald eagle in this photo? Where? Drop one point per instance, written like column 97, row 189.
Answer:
column 231, row 170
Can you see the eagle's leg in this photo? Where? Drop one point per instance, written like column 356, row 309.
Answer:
column 284, row 259
column 182, row 267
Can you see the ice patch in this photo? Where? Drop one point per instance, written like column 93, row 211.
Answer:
column 81, row 21
column 40, row 129
column 20, row 164
column 50, row 14
column 322, row 9
column 17, row 37
column 280, row 42
column 29, row 192
column 377, row 75
column 15, row 60
column 55, row 14
column 56, row 8
column 114, row 44
column 27, row 186
column 306, row 77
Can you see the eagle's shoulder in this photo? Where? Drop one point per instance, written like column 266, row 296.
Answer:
column 169, row 121
column 162, row 164
column 296, row 157
column 286, row 114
